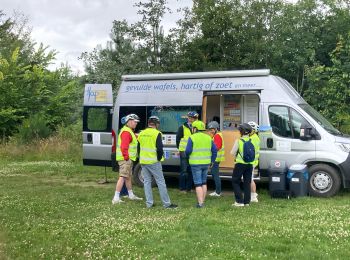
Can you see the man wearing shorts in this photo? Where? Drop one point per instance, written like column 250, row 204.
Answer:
column 126, row 155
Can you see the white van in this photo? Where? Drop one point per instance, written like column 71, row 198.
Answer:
column 291, row 130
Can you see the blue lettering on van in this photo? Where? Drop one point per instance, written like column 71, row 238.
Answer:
column 91, row 93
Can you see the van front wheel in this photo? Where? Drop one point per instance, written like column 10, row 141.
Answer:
column 138, row 176
column 324, row 181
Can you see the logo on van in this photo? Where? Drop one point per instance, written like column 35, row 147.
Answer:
column 98, row 95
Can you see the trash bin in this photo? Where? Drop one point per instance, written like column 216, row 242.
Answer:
column 277, row 178
column 298, row 177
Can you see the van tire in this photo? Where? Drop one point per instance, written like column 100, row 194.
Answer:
column 324, row 181
column 138, row 178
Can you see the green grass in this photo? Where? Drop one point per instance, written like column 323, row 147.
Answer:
column 57, row 210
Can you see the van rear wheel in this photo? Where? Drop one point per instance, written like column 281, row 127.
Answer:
column 138, row 176
column 324, row 181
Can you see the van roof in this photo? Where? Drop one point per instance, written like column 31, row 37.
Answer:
column 198, row 75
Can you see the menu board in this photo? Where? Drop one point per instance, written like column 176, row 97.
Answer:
column 232, row 111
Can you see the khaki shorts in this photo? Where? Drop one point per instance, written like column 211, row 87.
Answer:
column 125, row 168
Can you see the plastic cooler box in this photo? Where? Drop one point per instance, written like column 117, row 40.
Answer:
column 277, row 178
column 298, row 177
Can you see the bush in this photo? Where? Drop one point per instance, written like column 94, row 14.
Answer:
column 33, row 128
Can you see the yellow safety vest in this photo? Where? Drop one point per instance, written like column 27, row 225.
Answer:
column 256, row 142
column 148, row 149
column 239, row 158
column 201, row 150
column 132, row 146
column 184, row 139
column 221, row 153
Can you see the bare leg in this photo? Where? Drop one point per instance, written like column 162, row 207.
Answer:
column 120, row 184
column 199, row 193
column 204, row 189
column 128, row 183
column 253, row 187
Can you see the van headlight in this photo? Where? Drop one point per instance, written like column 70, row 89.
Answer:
column 344, row 147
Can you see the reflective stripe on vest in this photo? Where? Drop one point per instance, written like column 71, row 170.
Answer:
column 240, row 152
column 256, row 142
column 148, row 150
column 132, row 151
column 221, row 153
column 201, row 149
column 184, row 139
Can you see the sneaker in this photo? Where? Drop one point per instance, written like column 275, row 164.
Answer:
column 236, row 204
column 199, row 205
column 254, row 200
column 214, row 194
column 134, row 197
column 116, row 201
column 246, row 205
column 171, row 206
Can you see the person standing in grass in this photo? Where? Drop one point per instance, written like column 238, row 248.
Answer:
column 182, row 135
column 244, row 151
column 151, row 156
column 256, row 142
column 213, row 128
column 126, row 155
column 202, row 154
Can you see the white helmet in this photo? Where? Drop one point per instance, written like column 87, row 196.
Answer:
column 254, row 125
column 132, row 117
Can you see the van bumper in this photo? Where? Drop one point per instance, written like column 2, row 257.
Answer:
column 345, row 171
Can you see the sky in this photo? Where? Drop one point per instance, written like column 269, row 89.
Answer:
column 74, row 26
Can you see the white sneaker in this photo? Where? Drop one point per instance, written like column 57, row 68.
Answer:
column 236, row 204
column 116, row 201
column 134, row 197
column 214, row 194
column 254, row 199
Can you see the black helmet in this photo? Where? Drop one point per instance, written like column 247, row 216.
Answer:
column 245, row 128
column 154, row 120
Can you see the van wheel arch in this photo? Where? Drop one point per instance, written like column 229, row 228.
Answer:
column 324, row 180
column 138, row 177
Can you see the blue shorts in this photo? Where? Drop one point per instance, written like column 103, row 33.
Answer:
column 199, row 173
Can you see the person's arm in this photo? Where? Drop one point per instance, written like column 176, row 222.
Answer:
column 189, row 147
column 214, row 152
column 159, row 146
column 126, row 139
column 179, row 135
column 235, row 148
column 218, row 142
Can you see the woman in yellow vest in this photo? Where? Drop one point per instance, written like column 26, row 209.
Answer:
column 213, row 128
column 242, row 167
column 256, row 142
column 151, row 156
column 182, row 135
column 126, row 155
column 202, row 153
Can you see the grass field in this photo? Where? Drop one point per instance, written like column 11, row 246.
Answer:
column 56, row 209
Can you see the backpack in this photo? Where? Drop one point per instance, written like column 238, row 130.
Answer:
column 248, row 151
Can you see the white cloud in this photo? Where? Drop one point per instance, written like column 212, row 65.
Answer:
column 74, row 26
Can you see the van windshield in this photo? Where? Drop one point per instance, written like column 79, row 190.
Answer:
column 320, row 119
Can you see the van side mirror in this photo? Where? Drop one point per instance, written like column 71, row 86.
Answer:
column 307, row 132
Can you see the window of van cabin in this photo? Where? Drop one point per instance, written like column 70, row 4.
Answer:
column 285, row 121
column 97, row 119
column 140, row 111
column 171, row 118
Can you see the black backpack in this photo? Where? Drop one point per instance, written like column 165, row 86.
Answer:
column 248, row 151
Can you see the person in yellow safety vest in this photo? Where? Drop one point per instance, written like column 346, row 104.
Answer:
column 242, row 167
column 182, row 135
column 202, row 154
column 213, row 128
column 151, row 156
column 256, row 142
column 126, row 154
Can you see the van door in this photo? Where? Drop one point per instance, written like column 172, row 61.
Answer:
column 97, row 124
column 283, row 141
